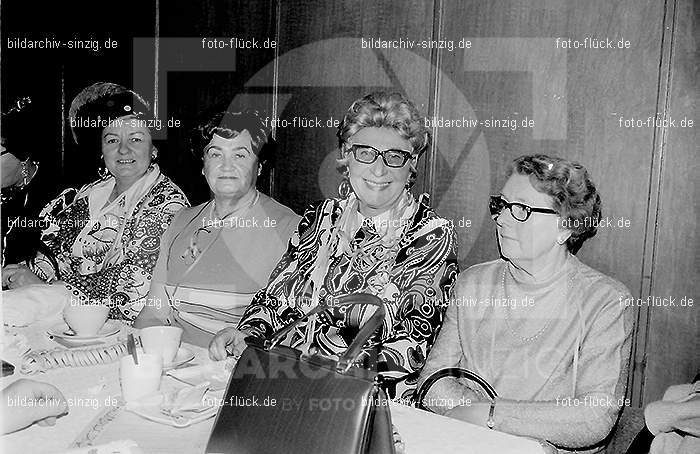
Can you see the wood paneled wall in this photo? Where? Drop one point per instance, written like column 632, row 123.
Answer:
column 669, row 337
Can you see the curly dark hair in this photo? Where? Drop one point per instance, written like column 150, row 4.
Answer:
column 228, row 125
column 573, row 193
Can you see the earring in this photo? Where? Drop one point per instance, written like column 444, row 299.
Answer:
column 202, row 171
column 411, row 179
column 259, row 170
column 344, row 188
column 25, row 173
column 103, row 172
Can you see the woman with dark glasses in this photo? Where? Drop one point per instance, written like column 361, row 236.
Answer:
column 375, row 238
column 546, row 331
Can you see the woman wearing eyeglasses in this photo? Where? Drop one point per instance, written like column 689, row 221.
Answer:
column 377, row 239
column 549, row 334
column 216, row 256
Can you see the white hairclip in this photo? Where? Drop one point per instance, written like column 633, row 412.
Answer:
column 549, row 166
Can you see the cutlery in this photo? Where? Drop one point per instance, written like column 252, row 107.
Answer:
column 131, row 348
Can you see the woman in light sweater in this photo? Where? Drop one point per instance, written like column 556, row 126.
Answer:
column 549, row 333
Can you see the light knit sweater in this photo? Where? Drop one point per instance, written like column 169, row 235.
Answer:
column 675, row 420
column 566, row 384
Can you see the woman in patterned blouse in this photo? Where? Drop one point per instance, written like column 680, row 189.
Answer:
column 105, row 237
column 376, row 239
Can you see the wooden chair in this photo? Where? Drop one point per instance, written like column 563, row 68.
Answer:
column 630, row 429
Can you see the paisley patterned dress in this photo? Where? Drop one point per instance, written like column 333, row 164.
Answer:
column 106, row 251
column 413, row 273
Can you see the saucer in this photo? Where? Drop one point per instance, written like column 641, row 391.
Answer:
column 155, row 408
column 63, row 331
column 183, row 355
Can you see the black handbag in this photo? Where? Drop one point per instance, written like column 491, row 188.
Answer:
column 280, row 400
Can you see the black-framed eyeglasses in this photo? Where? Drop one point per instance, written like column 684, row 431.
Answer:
column 367, row 154
column 519, row 211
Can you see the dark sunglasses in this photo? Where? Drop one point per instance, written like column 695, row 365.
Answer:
column 519, row 211
column 367, row 154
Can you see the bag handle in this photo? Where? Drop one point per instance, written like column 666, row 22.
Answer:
column 451, row 372
column 354, row 350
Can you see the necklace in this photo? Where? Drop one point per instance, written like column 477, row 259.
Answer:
column 528, row 339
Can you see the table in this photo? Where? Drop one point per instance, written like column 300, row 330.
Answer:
column 92, row 391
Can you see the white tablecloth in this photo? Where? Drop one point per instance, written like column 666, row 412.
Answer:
column 92, row 390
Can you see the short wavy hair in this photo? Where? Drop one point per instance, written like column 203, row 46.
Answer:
column 229, row 125
column 384, row 110
column 573, row 193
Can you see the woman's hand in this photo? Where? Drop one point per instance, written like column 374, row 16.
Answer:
column 16, row 276
column 227, row 342
column 474, row 413
column 32, row 401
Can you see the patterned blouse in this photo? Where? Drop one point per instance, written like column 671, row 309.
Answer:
column 106, row 251
column 413, row 274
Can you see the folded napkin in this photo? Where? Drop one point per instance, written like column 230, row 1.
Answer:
column 13, row 347
column 176, row 407
column 186, row 401
column 33, row 303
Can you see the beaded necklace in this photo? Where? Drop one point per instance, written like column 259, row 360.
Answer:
column 541, row 331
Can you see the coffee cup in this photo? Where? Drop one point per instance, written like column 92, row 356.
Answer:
column 142, row 379
column 85, row 319
column 161, row 340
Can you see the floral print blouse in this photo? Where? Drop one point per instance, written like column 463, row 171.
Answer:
column 413, row 275
column 104, row 251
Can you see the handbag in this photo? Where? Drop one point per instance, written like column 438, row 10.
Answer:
column 281, row 400
column 457, row 372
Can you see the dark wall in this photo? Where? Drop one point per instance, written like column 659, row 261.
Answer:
column 53, row 76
